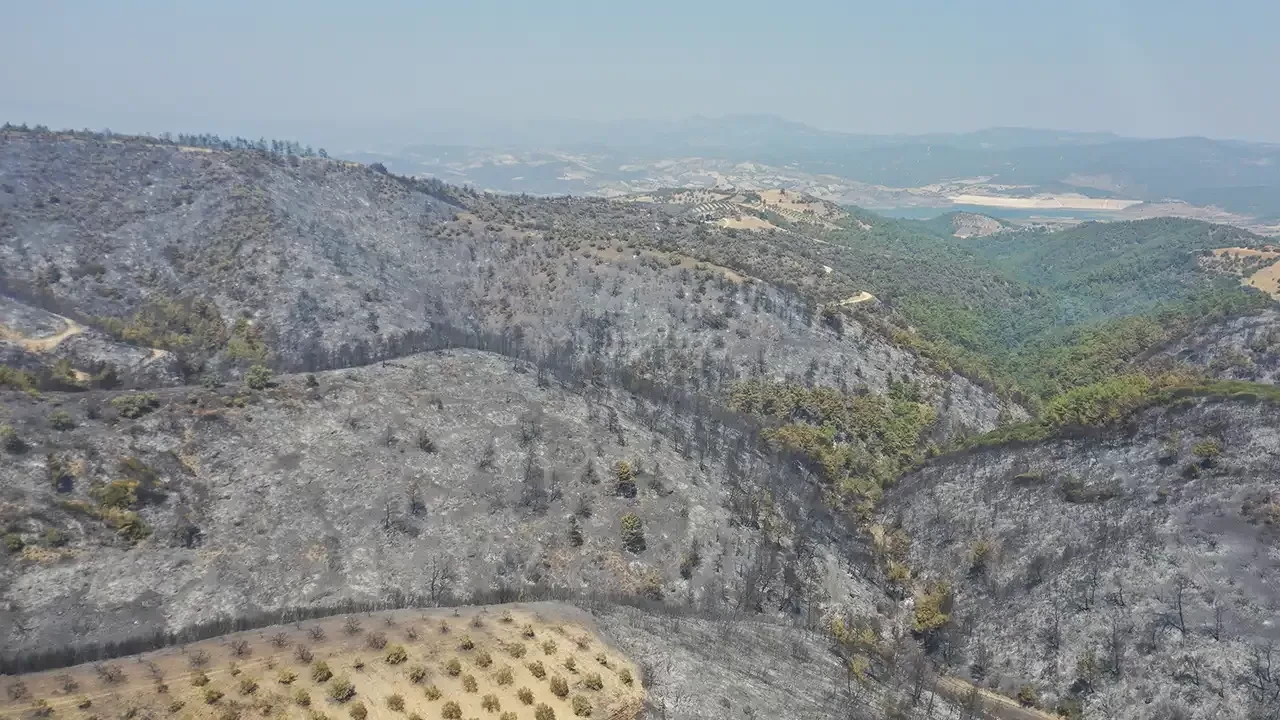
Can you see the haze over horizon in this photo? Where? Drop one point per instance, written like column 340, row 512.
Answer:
column 396, row 72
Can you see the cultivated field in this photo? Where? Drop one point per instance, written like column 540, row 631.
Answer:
column 504, row 663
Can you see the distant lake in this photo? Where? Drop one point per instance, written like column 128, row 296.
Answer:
column 926, row 213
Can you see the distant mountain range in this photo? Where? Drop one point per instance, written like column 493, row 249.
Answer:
column 1238, row 177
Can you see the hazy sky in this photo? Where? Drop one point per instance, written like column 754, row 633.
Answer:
column 382, row 69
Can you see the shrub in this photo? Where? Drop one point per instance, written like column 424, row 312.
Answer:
column 395, row 701
column 516, row 650
column 376, row 640
column 12, row 442
column 14, row 543
column 109, row 673
column 351, row 625
column 625, row 476
column 979, row 556
column 625, row 676
column 248, row 686
column 316, row 632
column 359, row 711
column 83, row 702
column 453, row 667
column 199, row 679
column 467, row 643
column 483, row 659
column 311, row 381
column 342, row 690
column 602, row 659
column 258, row 377
column 432, row 692
column 417, row 673
column 633, row 533
column 302, row 698
column 570, row 664
column 396, row 654
column 508, row 715
column 239, row 647
column 280, row 640
column 451, row 711
column 414, row 716
column 135, row 405
column 212, row 695
column 542, row 712
column 549, row 647
column 504, row 676
column 527, row 631
column 490, row 703
column 559, row 687
column 537, row 669
column 581, row 706
column 320, row 671
column 506, row 617
column 469, row 683
column 176, row 706
column 593, row 681
column 302, row 653
column 1207, row 450
column 1027, row 696
column 525, row 695
column 18, row 691
column 932, row 609
column 286, row 677
column 61, row 420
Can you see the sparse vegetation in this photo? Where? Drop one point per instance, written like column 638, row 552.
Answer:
column 320, row 672
column 469, row 683
column 593, row 681
column 395, row 702
column 525, row 695
column 544, row 712
column 358, row 711
column 431, row 692
column 537, row 669
column 451, row 711
column 453, row 668
column 581, row 706
column 490, row 703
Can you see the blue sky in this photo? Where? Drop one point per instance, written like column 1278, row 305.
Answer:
column 384, row 69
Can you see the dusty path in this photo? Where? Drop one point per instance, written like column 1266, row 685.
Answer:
column 46, row 343
column 994, row 705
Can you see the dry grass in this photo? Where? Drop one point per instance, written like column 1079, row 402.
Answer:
column 1266, row 279
column 260, row 674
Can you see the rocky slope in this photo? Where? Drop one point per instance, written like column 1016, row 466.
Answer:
column 1242, row 348
column 229, row 258
column 441, row 474
column 1132, row 571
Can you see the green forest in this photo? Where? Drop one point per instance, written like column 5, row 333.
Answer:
column 1042, row 312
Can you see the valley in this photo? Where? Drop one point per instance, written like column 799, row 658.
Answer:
column 956, row 469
